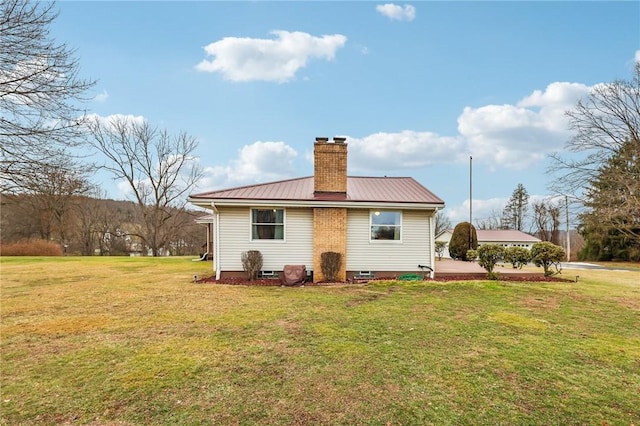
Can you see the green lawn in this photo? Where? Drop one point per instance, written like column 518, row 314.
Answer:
column 133, row 341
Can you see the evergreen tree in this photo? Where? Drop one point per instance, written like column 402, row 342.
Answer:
column 516, row 209
column 464, row 238
column 611, row 225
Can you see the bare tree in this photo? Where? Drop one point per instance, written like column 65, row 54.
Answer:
column 186, row 236
column 604, row 175
column 40, row 93
column 603, row 123
column 442, row 222
column 158, row 167
column 546, row 217
column 86, row 214
column 493, row 221
column 90, row 211
column 44, row 207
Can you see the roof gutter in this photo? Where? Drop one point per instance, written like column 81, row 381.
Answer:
column 208, row 203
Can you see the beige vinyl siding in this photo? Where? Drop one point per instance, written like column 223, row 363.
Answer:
column 405, row 255
column 295, row 249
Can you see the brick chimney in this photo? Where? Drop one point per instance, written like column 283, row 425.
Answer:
column 330, row 166
column 329, row 223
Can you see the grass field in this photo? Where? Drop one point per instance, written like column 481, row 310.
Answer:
column 133, row 341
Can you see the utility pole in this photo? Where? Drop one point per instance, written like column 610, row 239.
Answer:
column 566, row 203
column 470, row 202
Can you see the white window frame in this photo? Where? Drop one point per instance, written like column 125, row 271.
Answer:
column 401, row 225
column 274, row 240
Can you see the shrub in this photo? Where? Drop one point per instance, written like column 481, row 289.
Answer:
column 464, row 238
column 252, row 263
column 488, row 256
column 31, row 248
column 440, row 247
column 547, row 254
column 472, row 255
column 517, row 256
column 330, row 263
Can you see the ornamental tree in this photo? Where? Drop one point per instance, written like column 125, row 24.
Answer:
column 488, row 256
column 440, row 247
column 548, row 255
column 517, row 256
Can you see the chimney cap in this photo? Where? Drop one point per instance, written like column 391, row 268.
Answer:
column 321, row 139
column 339, row 140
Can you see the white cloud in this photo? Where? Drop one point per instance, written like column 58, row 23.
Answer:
column 102, row 96
column 19, row 88
column 396, row 12
column 109, row 120
column 407, row 149
column 482, row 210
column 516, row 136
column 637, row 56
column 125, row 191
column 511, row 136
column 279, row 59
column 258, row 162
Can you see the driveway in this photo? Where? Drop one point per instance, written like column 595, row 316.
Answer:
column 583, row 265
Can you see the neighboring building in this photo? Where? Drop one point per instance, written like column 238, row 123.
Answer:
column 506, row 238
column 503, row 237
column 382, row 226
column 446, row 237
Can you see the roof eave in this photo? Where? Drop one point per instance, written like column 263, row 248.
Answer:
column 208, row 202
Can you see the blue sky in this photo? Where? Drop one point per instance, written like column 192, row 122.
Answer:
column 417, row 88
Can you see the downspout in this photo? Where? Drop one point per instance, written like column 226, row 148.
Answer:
column 432, row 251
column 216, row 240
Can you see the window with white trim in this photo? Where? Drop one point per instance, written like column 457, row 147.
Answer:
column 386, row 225
column 267, row 224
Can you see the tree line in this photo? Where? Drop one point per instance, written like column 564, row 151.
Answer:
column 88, row 226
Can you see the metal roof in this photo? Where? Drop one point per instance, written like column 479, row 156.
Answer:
column 504, row 235
column 359, row 190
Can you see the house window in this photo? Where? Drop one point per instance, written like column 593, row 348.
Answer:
column 386, row 225
column 267, row 224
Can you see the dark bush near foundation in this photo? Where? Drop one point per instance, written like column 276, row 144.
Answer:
column 252, row 263
column 330, row 263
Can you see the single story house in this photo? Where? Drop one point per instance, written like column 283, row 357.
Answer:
column 382, row 226
column 503, row 237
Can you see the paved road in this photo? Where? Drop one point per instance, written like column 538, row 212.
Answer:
column 583, row 265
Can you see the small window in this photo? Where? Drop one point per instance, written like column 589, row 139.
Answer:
column 386, row 225
column 267, row 224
